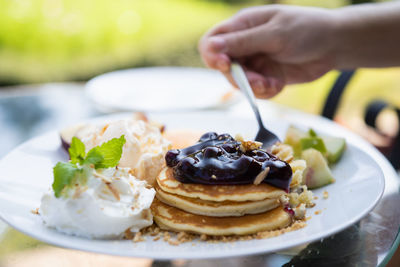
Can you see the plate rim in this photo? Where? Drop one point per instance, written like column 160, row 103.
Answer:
column 163, row 255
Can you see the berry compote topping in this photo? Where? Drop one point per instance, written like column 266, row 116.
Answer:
column 218, row 160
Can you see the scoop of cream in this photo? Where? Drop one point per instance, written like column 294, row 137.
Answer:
column 143, row 151
column 111, row 202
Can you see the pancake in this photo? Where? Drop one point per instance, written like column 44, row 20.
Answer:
column 240, row 193
column 171, row 218
column 213, row 208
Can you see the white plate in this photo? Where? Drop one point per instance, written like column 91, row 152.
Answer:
column 26, row 173
column 161, row 89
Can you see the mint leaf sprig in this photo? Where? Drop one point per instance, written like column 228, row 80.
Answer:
column 67, row 174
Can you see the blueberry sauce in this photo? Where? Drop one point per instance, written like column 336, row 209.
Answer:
column 218, row 160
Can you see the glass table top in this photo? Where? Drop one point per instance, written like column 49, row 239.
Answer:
column 27, row 112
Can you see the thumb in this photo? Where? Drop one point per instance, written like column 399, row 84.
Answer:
column 245, row 42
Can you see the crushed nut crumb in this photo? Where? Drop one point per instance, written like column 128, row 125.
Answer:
column 173, row 242
column 128, row 234
column 138, row 237
column 300, row 211
column 325, row 195
column 176, row 239
column 261, row 176
column 167, row 236
column 35, row 211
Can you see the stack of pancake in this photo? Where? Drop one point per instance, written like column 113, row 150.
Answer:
column 217, row 209
column 214, row 209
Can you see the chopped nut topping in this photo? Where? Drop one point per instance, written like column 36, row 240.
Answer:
column 261, row 176
column 247, row 145
column 103, row 130
column 128, row 234
column 35, row 211
column 132, row 172
column 114, row 191
column 167, row 236
column 250, row 145
column 138, row 237
column 300, row 211
column 173, row 242
column 318, row 212
column 102, row 177
column 156, row 231
column 146, row 215
column 325, row 195
column 77, row 192
column 239, row 138
column 284, row 200
column 175, row 239
column 283, row 152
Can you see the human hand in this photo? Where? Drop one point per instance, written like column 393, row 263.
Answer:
column 276, row 45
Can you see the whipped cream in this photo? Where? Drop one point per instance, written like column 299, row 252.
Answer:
column 109, row 203
column 143, row 151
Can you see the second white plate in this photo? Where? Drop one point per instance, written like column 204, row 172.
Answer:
column 161, row 89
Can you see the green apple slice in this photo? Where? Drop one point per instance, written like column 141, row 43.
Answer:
column 317, row 173
column 313, row 142
column 335, row 147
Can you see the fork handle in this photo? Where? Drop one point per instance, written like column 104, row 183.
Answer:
column 241, row 80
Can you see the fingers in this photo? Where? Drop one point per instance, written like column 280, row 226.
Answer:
column 243, row 35
column 216, row 51
column 246, row 42
column 263, row 87
column 244, row 19
column 213, row 55
column 212, row 49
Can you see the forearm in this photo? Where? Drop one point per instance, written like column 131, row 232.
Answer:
column 367, row 36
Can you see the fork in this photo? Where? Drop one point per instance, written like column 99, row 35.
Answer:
column 264, row 136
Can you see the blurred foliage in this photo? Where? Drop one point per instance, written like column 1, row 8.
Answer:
column 71, row 40
column 59, row 40
column 50, row 40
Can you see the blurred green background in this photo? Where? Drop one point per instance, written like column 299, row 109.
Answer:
column 72, row 40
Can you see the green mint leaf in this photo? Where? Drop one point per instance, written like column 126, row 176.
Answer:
column 64, row 173
column 110, row 152
column 77, row 151
column 94, row 156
